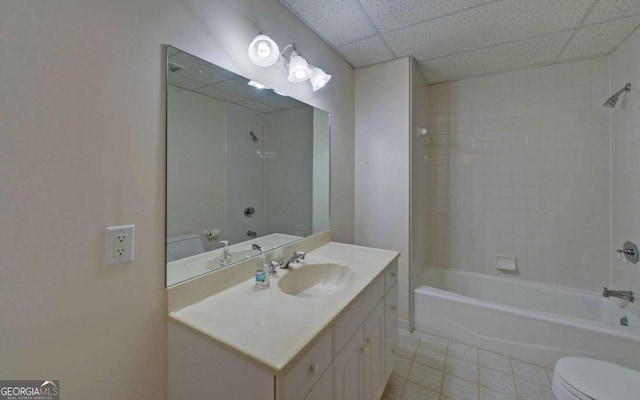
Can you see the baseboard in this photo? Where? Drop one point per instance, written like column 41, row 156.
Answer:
column 404, row 325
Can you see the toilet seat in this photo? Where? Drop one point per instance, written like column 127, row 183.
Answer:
column 580, row 378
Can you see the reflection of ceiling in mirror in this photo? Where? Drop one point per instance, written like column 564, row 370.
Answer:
column 191, row 73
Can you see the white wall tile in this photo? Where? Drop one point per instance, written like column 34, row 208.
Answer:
column 625, row 122
column 526, row 173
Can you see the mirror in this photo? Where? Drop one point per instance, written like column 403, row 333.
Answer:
column 244, row 165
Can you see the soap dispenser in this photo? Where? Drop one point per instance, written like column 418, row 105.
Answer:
column 225, row 259
column 262, row 276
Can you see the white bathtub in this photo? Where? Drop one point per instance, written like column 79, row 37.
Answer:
column 525, row 320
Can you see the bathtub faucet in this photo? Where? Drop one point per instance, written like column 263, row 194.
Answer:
column 621, row 294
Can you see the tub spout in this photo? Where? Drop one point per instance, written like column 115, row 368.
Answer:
column 621, row 294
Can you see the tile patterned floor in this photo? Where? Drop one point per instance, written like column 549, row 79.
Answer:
column 430, row 367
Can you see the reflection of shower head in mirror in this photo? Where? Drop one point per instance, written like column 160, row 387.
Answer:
column 253, row 137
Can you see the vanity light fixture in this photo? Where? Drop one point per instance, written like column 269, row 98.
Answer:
column 319, row 79
column 263, row 51
column 299, row 70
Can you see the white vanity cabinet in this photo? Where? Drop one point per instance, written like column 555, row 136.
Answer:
column 364, row 365
column 351, row 359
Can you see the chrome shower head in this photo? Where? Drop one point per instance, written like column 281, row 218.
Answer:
column 611, row 101
column 253, row 137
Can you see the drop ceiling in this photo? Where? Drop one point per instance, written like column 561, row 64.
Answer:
column 194, row 74
column 457, row 39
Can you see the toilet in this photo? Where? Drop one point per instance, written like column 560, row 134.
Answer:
column 580, row 378
column 185, row 245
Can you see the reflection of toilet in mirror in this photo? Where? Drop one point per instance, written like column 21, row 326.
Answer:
column 586, row 378
column 182, row 246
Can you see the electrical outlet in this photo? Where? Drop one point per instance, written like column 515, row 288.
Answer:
column 119, row 245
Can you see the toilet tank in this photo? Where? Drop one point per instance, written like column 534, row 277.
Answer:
column 182, row 246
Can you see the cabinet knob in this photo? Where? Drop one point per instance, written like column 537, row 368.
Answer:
column 393, row 351
column 361, row 349
column 393, row 274
column 313, row 368
column 393, row 308
column 368, row 340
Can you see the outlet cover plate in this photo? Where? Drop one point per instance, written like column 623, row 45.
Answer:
column 119, row 245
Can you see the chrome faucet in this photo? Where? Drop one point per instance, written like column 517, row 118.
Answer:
column 621, row 294
column 257, row 247
column 295, row 259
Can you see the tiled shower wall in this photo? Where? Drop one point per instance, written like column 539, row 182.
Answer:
column 625, row 119
column 520, row 167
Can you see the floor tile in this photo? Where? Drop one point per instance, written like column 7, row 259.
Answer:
column 488, row 394
column 550, row 374
column 462, row 369
column 415, row 392
column 459, row 389
column 495, row 361
column 497, row 380
column 402, row 366
column 463, row 351
column 530, row 372
column 426, row 376
column 532, row 391
column 413, row 337
column 393, row 390
column 430, row 357
column 407, row 348
column 433, row 342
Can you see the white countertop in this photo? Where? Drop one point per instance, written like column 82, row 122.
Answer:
column 271, row 327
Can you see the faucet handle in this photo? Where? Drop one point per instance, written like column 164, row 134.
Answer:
column 273, row 267
column 299, row 254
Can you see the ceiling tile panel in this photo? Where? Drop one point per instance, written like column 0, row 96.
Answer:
column 525, row 53
column 607, row 10
column 280, row 102
column 239, row 86
column 338, row 21
column 200, row 70
column 599, row 39
column 183, row 82
column 213, row 91
column 366, row 52
column 394, row 14
column 259, row 107
column 491, row 24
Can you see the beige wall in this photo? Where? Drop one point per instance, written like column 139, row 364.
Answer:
column 383, row 164
column 196, row 177
column 82, row 148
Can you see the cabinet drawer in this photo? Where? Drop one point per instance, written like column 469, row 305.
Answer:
column 352, row 317
column 390, row 276
column 308, row 369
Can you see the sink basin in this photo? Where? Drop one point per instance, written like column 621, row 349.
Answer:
column 314, row 280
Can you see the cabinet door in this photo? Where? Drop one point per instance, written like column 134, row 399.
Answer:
column 348, row 369
column 391, row 328
column 323, row 390
column 374, row 370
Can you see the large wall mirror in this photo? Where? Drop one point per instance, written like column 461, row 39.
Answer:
column 245, row 165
